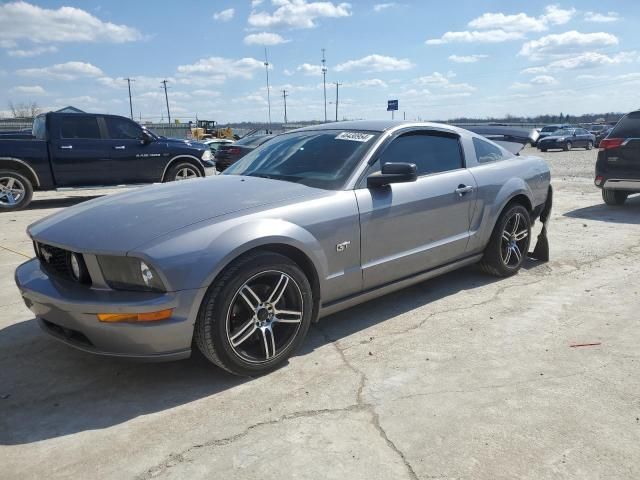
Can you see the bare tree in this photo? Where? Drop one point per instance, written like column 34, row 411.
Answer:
column 24, row 110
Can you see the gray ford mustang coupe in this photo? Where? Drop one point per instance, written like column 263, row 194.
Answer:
column 312, row 222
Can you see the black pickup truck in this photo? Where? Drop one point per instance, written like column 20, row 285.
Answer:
column 67, row 150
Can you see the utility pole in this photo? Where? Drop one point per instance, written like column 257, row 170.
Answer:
column 266, row 67
column 324, row 84
column 284, row 97
column 129, row 80
column 166, row 97
column 337, row 88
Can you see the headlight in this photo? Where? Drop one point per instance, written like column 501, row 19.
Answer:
column 206, row 155
column 129, row 273
column 560, row 139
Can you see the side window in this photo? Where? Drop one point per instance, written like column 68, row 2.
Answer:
column 487, row 152
column 79, row 127
column 123, row 129
column 39, row 127
column 432, row 152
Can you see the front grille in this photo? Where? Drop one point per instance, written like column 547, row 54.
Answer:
column 57, row 262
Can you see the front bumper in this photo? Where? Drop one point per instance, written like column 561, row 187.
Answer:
column 550, row 144
column 67, row 311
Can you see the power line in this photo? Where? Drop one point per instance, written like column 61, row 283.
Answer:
column 284, row 97
column 166, row 97
column 266, row 67
column 324, row 83
column 129, row 80
column 337, row 97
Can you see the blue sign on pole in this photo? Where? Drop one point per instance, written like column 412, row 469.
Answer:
column 392, row 105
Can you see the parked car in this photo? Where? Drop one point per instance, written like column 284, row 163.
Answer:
column 618, row 164
column 566, row 139
column 215, row 143
column 602, row 133
column 81, row 150
column 550, row 129
column 229, row 154
column 312, row 222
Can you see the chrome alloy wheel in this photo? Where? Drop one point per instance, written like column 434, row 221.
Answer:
column 264, row 316
column 12, row 191
column 186, row 173
column 514, row 240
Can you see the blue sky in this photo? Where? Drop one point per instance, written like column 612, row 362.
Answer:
column 439, row 59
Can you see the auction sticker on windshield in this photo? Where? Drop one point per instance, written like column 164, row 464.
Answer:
column 355, row 136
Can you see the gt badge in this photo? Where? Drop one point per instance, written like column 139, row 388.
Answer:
column 341, row 247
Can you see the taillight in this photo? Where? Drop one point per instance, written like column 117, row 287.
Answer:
column 233, row 150
column 608, row 143
column 599, row 180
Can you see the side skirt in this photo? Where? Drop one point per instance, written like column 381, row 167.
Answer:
column 348, row 302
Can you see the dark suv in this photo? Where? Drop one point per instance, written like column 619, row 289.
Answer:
column 618, row 164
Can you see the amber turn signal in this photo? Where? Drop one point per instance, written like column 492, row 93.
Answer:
column 135, row 317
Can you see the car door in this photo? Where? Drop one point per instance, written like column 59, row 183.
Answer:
column 78, row 150
column 407, row 228
column 132, row 159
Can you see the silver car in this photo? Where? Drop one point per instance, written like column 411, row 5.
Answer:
column 312, row 222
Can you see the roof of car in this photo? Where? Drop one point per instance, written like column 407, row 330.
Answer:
column 373, row 125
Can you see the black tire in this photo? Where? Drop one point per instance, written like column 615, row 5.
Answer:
column 614, row 197
column 12, row 185
column 178, row 168
column 223, row 305
column 543, row 149
column 493, row 262
column 589, row 145
column 567, row 146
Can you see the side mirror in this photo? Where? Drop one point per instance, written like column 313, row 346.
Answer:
column 146, row 138
column 393, row 173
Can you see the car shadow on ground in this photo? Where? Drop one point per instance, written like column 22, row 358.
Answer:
column 61, row 202
column 49, row 390
column 628, row 213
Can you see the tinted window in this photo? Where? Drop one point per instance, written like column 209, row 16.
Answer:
column 321, row 158
column 551, row 128
column 123, row 129
column 627, row 127
column 487, row 152
column 39, row 127
column 253, row 140
column 431, row 152
column 79, row 127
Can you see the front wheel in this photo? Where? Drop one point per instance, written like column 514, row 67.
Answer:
column 589, row 145
column 614, row 197
column 256, row 315
column 568, row 146
column 509, row 243
column 182, row 171
column 16, row 191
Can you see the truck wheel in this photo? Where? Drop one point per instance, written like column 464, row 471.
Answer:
column 16, row 191
column 255, row 315
column 182, row 171
column 509, row 243
column 614, row 197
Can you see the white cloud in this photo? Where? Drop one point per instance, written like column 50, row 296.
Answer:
column 474, row 36
column 558, row 16
column 298, row 14
column 375, row 63
column 373, row 82
column 32, row 52
column 24, row 21
column 466, row 58
column 224, row 15
column 520, row 22
column 379, row 7
column 264, row 38
column 223, row 67
column 440, row 81
column 63, row 71
column 543, row 80
column 308, row 69
column 29, row 90
column 601, row 17
column 566, row 43
column 255, row 3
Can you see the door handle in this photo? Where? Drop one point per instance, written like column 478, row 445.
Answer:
column 119, row 147
column 462, row 189
column 66, row 147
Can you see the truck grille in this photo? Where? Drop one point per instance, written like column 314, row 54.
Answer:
column 57, row 262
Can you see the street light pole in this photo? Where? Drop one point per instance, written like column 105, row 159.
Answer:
column 324, row 83
column 130, row 103
column 166, row 97
column 266, row 67
column 337, row 98
column 284, row 97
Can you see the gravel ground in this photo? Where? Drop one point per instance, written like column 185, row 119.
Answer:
column 461, row 377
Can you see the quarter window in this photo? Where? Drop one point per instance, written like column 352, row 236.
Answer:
column 487, row 152
column 432, row 152
column 79, row 127
column 123, row 129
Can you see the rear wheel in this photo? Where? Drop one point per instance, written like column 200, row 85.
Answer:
column 543, row 149
column 182, row 171
column 16, row 191
column 509, row 242
column 256, row 315
column 614, row 197
column 589, row 145
column 567, row 146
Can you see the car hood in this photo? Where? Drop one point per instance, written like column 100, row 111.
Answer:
column 121, row 222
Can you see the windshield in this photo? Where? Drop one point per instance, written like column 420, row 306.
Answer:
column 252, row 141
column 321, row 158
column 549, row 129
column 597, row 128
column 564, row 131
